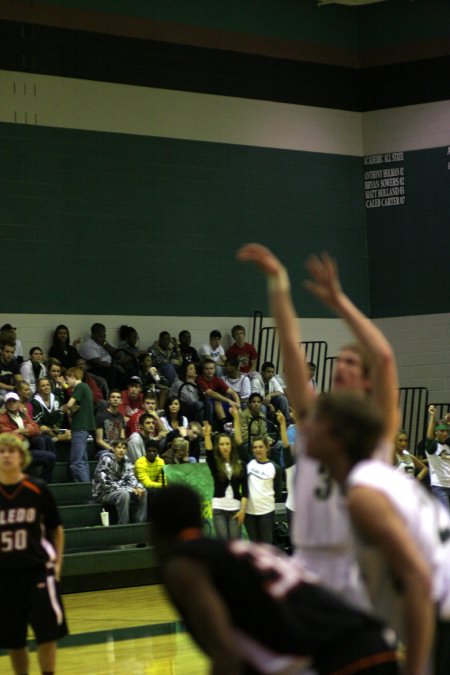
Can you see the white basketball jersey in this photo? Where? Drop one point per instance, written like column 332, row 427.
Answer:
column 428, row 523
column 321, row 532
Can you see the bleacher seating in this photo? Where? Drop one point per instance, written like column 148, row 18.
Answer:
column 98, row 557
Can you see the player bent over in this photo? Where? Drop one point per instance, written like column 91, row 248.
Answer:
column 31, row 549
column 254, row 610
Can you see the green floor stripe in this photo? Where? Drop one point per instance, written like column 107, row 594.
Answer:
column 115, row 635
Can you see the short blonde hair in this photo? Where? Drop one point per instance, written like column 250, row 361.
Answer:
column 15, row 442
column 180, row 445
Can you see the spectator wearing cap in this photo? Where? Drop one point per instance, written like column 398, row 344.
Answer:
column 8, row 333
column 9, row 368
column 16, row 421
column 132, row 398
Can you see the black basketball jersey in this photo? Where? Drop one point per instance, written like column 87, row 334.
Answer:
column 273, row 600
column 27, row 512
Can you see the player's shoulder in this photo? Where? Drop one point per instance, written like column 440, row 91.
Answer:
column 35, row 485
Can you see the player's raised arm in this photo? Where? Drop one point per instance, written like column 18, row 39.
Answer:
column 282, row 309
column 325, row 285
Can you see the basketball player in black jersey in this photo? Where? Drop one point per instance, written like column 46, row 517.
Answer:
column 31, row 549
column 254, row 610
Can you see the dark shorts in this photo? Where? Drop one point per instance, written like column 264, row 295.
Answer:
column 30, row 597
column 366, row 652
column 442, row 648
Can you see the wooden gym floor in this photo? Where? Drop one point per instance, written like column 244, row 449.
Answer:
column 126, row 631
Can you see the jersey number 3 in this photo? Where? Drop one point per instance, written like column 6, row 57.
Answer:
column 323, row 490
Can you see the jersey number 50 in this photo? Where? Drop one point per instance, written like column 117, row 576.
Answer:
column 13, row 540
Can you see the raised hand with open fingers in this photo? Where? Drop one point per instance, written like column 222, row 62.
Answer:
column 324, row 282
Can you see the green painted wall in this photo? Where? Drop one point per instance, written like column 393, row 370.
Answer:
column 289, row 19
column 121, row 224
column 402, row 21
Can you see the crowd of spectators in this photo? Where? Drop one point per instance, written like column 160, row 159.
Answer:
column 140, row 408
column 143, row 409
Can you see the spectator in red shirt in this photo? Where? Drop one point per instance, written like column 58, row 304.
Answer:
column 216, row 392
column 149, row 407
column 242, row 350
column 15, row 421
column 132, row 399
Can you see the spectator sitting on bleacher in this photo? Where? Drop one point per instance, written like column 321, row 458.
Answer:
column 98, row 353
column 23, row 389
column 115, row 483
column 312, row 374
column 252, row 419
column 57, row 380
column 166, row 356
column 173, row 419
column 242, row 350
column 151, row 379
column 407, row 462
column 438, row 455
column 178, row 452
column 186, row 389
column 9, row 368
column 128, row 351
column 188, row 353
column 8, row 334
column 132, row 399
column 17, row 422
column 150, row 405
column 137, row 441
column 33, row 369
column 47, row 412
column 214, row 351
column 110, row 424
column 268, row 386
column 61, row 349
column 236, row 380
column 149, row 470
column 217, row 393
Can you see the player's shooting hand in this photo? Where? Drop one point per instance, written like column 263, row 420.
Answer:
column 262, row 257
column 324, row 282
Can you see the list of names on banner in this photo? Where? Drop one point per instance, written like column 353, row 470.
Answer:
column 384, row 184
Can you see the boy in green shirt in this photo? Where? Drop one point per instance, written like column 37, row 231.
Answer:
column 81, row 410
